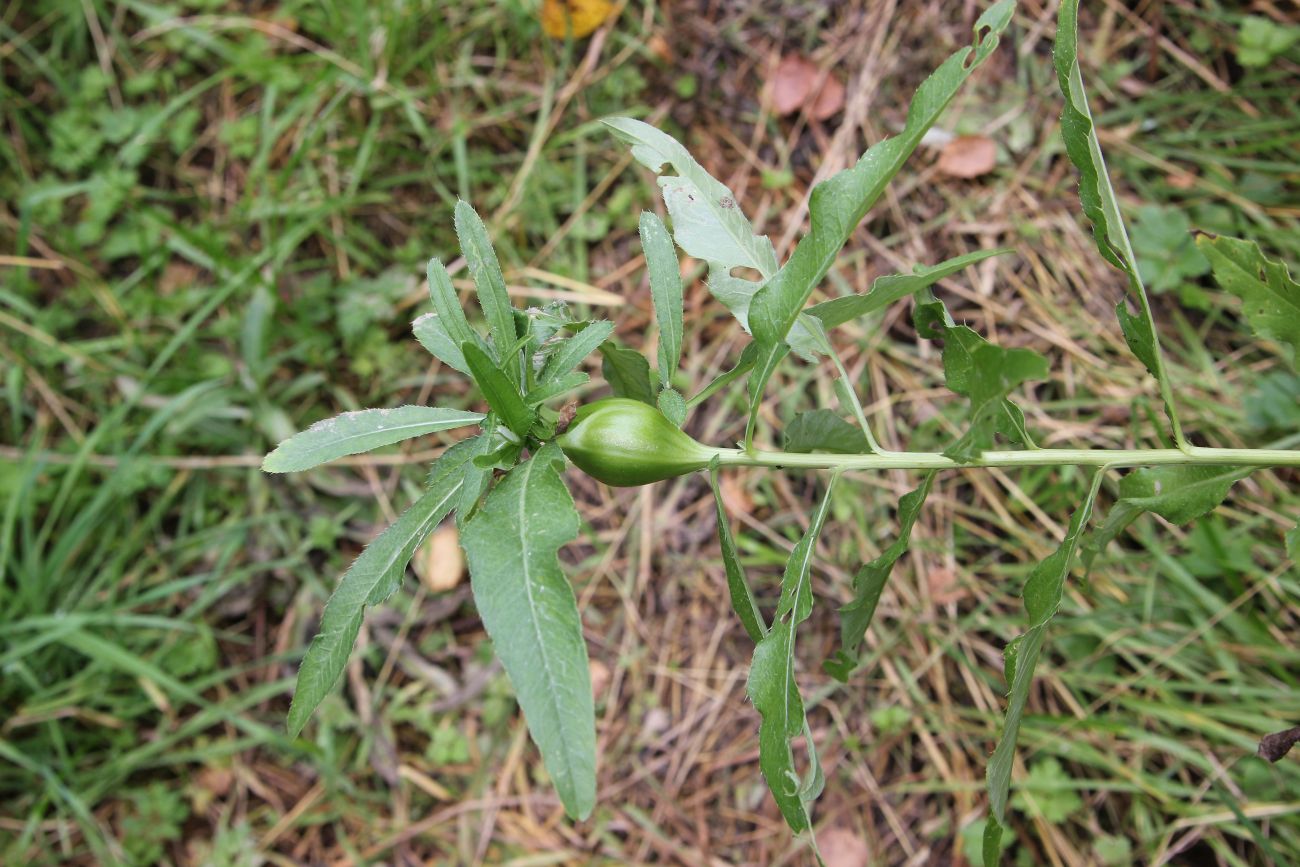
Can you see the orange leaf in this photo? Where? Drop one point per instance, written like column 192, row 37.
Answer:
column 792, row 83
column 578, row 17
column 968, row 156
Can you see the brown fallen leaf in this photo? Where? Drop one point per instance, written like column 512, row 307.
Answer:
column 968, row 156
column 579, row 17
column 829, row 101
column 840, row 847
column 1274, row 747
column 791, row 84
column 439, row 561
column 600, row 677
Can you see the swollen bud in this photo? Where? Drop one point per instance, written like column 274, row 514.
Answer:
column 624, row 442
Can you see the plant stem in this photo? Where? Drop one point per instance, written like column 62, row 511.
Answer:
column 1192, row 455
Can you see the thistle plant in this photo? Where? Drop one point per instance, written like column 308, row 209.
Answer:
column 506, row 485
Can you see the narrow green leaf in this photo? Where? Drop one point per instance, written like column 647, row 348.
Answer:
column 772, row 685
column 475, row 479
column 530, row 613
column 1293, row 543
column 446, row 303
column 767, row 357
column 840, row 203
column 1179, row 494
column 574, row 350
column 992, row 843
column 666, row 291
column 431, row 331
column 984, row 373
column 353, row 433
column 488, row 281
column 498, row 391
column 627, row 372
column 869, row 583
column 1270, row 298
column 821, row 430
column 744, row 365
column 742, row 597
column 1042, row 596
column 375, row 576
column 672, row 405
column 555, row 387
column 707, row 222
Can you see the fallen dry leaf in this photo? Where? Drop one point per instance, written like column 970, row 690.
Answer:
column 735, row 499
column 791, row 84
column 840, row 847
column 439, row 561
column 829, row 101
column 968, row 156
column 600, row 677
column 579, row 17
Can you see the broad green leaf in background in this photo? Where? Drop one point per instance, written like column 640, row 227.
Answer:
column 839, row 204
column 1101, row 207
column 529, row 612
column 707, row 221
column 666, row 290
column 869, row 583
column 1042, row 596
column 498, row 391
column 375, row 576
column 821, row 430
column 986, row 374
column 1270, row 298
column 742, row 598
column 1167, row 254
column 1262, row 40
column 772, row 685
column 574, row 351
column 1178, row 494
column 355, row 432
column 485, row 270
column 627, row 372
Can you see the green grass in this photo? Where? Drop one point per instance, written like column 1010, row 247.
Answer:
column 236, row 216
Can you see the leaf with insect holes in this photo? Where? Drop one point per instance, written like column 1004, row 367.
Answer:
column 353, row 433
column 627, row 372
column 485, row 270
column 707, row 222
column 666, row 290
column 530, row 613
column 772, row 685
column 869, row 583
column 1179, row 494
column 375, row 576
column 1270, row 298
column 498, row 391
column 1042, row 596
column 742, row 597
column 986, row 374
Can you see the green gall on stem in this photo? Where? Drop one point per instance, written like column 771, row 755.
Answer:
column 624, row 443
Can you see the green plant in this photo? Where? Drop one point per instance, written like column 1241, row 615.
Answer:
column 514, row 511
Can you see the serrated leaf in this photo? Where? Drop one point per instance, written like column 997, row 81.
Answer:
column 529, row 612
column 1270, row 298
column 984, row 373
column 1042, row 596
column 672, row 405
column 375, row 576
column 666, row 291
column 489, row 282
column 575, row 350
column 742, row 597
column 821, row 430
column 498, row 391
column 869, row 583
column 772, row 685
column 353, row 433
column 839, row 204
column 627, row 372
column 1178, row 494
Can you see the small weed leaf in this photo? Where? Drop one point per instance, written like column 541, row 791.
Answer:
column 672, row 405
column 1270, row 298
column 485, row 270
column 742, row 597
column 772, row 685
column 575, row 350
column 627, row 372
column 666, row 290
column 530, row 613
column 375, row 576
column 353, row 433
column 498, row 391
column 446, row 303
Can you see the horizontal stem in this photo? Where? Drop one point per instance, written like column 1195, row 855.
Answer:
column 1194, row 455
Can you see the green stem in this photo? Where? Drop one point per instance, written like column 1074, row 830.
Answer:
column 1192, row 455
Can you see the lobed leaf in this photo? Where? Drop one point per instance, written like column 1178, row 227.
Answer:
column 666, row 291
column 742, row 597
column 529, row 612
column 375, row 576
column 1270, row 298
column 984, row 373
column 353, row 433
column 1042, row 596
column 869, row 583
column 772, row 685
column 489, row 282
column 498, row 391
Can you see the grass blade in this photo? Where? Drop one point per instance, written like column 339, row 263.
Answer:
column 353, row 433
